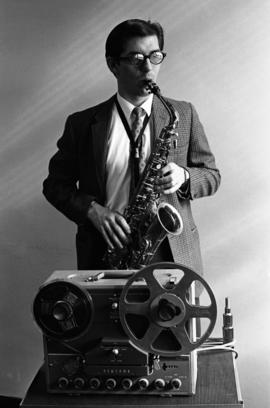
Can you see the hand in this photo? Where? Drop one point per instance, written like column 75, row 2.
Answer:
column 171, row 178
column 112, row 225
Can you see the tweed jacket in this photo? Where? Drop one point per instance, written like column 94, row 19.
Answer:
column 77, row 175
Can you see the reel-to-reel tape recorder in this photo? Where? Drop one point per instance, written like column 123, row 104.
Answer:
column 123, row 332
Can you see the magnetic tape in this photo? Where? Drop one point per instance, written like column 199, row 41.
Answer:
column 120, row 332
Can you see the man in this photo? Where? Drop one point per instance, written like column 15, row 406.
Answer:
column 90, row 175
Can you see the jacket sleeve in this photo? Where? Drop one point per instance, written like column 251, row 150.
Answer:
column 204, row 176
column 61, row 186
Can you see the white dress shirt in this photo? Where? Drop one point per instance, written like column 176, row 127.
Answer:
column 117, row 164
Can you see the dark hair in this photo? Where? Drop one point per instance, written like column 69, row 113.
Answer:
column 128, row 29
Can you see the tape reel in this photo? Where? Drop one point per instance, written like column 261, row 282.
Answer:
column 167, row 313
column 63, row 310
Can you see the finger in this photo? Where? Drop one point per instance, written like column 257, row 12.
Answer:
column 169, row 184
column 166, row 169
column 169, row 187
column 171, row 190
column 123, row 223
column 119, row 233
column 112, row 234
column 106, row 238
column 164, row 180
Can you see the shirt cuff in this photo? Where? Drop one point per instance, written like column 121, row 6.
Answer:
column 184, row 189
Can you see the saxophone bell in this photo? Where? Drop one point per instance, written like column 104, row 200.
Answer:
column 169, row 218
column 167, row 221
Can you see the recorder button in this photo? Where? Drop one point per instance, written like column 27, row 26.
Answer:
column 110, row 384
column 126, row 383
column 79, row 383
column 115, row 351
column 94, row 383
column 159, row 384
column 143, row 383
column 114, row 305
column 176, row 383
column 62, row 383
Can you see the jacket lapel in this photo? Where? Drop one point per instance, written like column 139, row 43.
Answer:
column 159, row 118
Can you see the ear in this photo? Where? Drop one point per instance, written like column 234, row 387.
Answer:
column 113, row 66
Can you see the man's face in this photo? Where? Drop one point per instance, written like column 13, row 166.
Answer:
column 132, row 78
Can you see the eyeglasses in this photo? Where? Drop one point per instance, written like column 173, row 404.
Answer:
column 137, row 58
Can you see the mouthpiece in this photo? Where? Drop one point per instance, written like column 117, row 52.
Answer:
column 152, row 87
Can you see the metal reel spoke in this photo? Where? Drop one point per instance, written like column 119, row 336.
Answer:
column 150, row 336
column 153, row 284
column 182, row 287
column 183, row 338
column 200, row 311
column 136, row 308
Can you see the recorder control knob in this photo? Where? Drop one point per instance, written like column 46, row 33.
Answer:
column 176, row 383
column 79, row 383
column 110, row 384
column 62, row 383
column 94, row 383
column 114, row 306
column 115, row 351
column 159, row 384
column 126, row 383
column 143, row 383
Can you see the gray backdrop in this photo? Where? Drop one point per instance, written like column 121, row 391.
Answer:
column 52, row 63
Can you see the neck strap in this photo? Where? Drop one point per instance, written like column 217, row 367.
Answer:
column 134, row 144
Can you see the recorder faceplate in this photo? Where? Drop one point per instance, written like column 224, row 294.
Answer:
column 122, row 331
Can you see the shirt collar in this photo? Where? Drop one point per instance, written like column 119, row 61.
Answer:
column 128, row 107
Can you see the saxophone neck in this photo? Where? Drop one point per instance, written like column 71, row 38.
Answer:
column 174, row 116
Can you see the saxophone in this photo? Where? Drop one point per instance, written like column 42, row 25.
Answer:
column 150, row 219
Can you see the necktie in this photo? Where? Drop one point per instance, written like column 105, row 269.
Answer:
column 137, row 128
